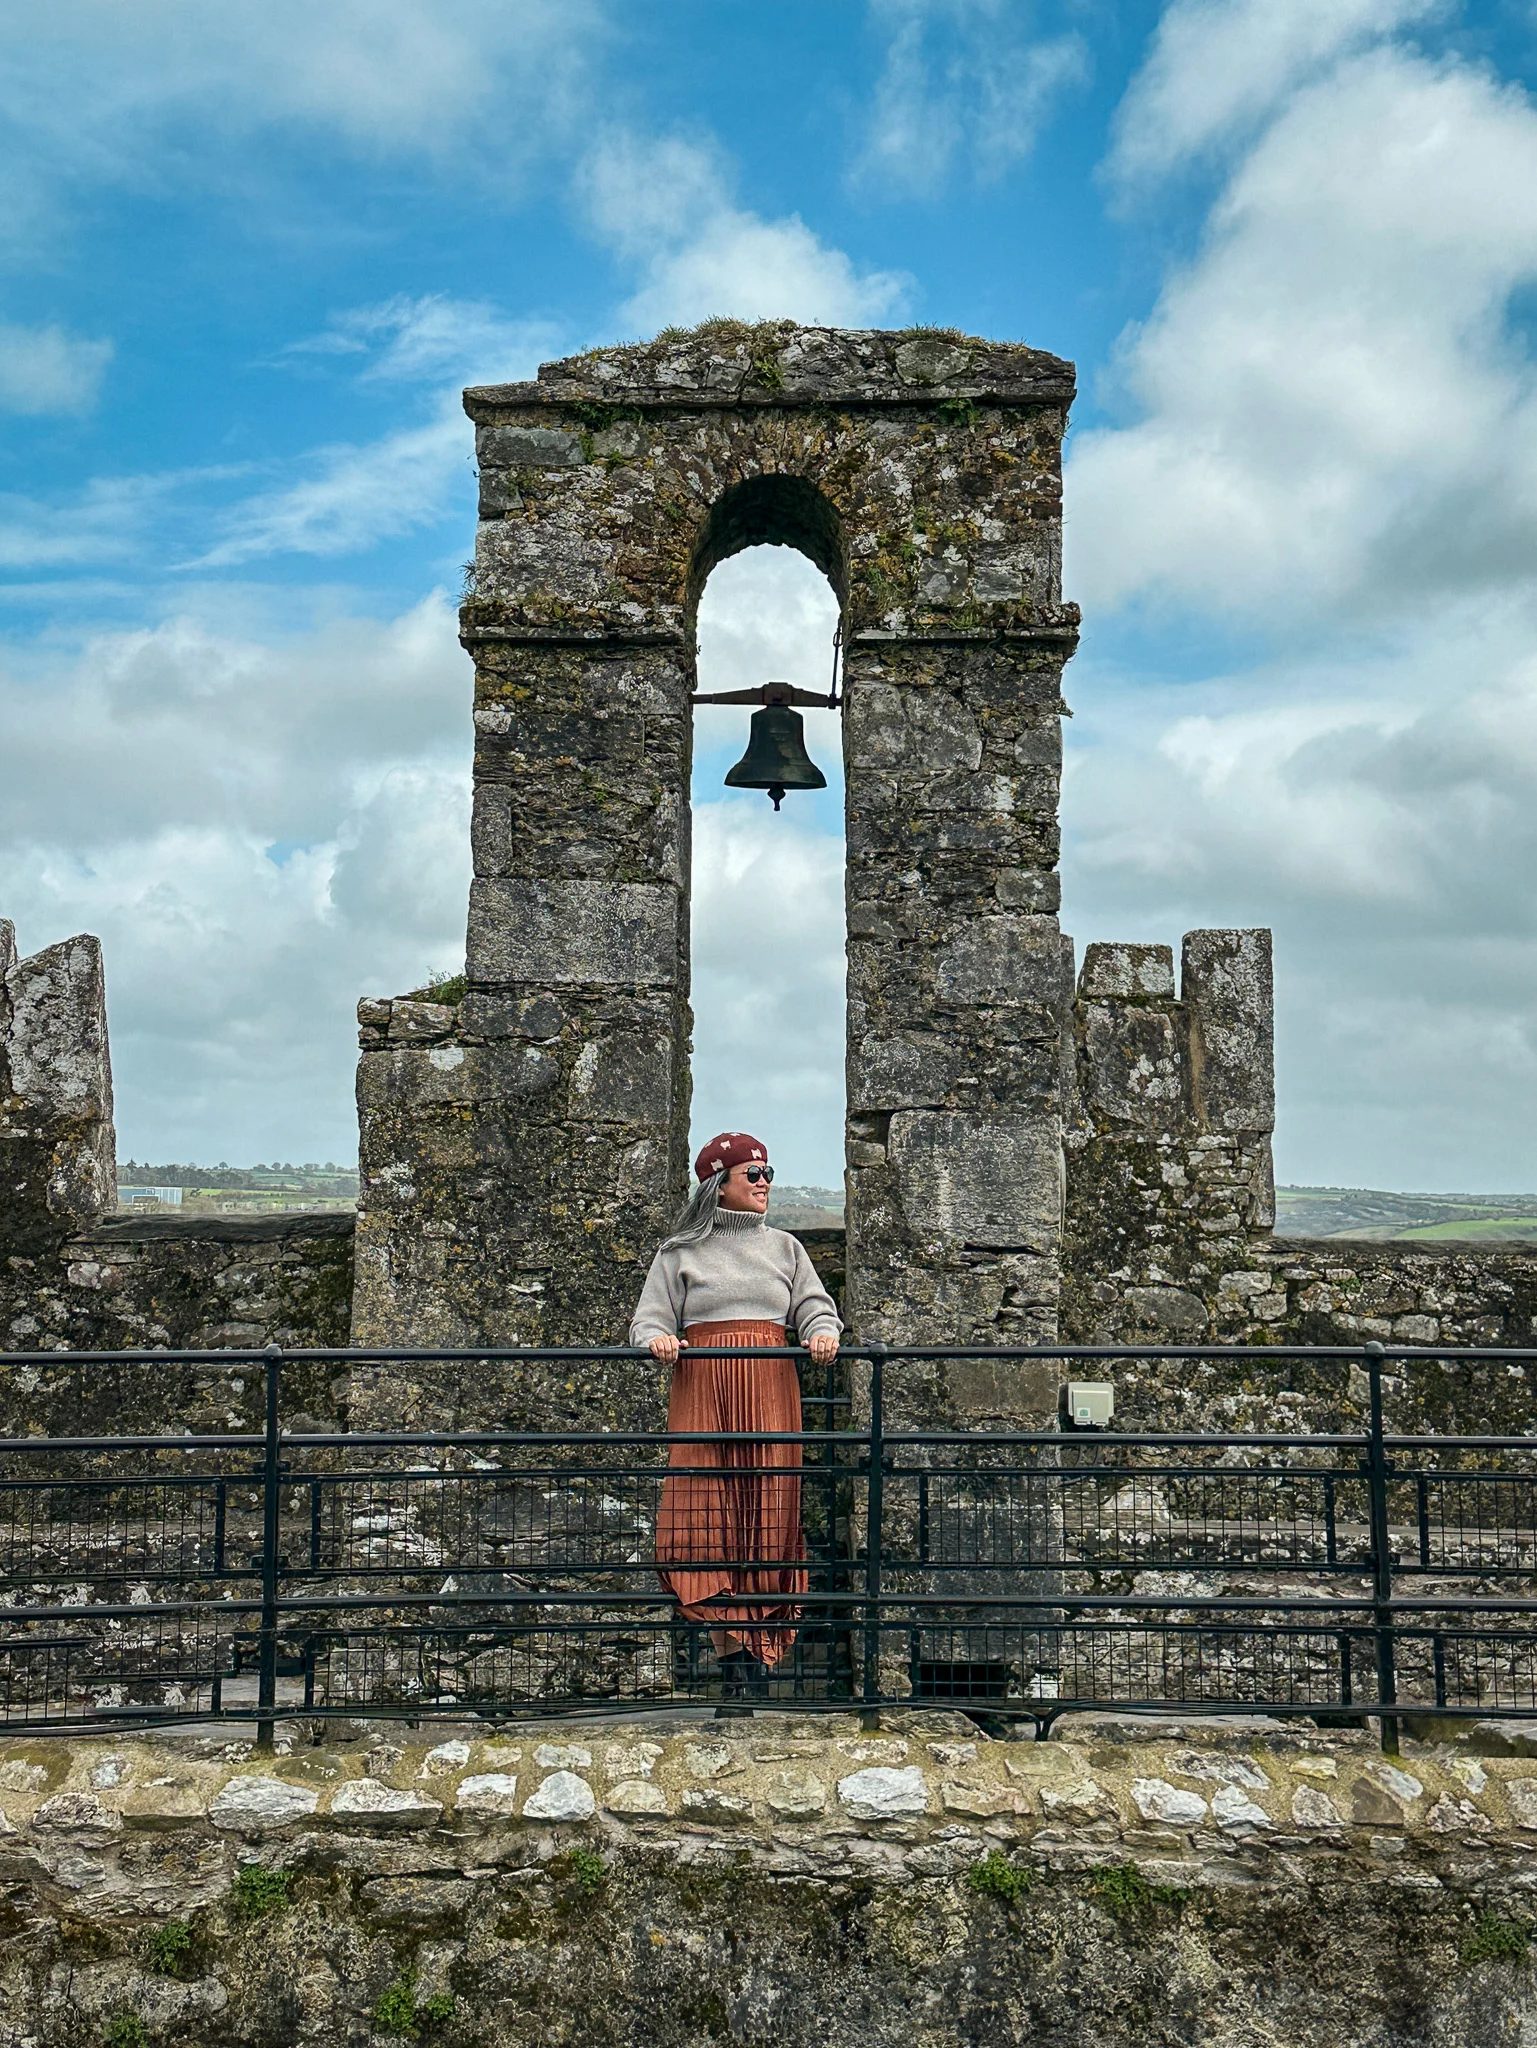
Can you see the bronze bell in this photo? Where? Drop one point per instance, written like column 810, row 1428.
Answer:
column 776, row 757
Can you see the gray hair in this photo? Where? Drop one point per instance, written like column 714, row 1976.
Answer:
column 696, row 1219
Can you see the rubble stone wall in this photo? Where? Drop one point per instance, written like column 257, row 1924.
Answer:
column 185, row 1284
column 794, row 1879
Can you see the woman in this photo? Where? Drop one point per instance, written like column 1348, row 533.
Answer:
column 729, row 1527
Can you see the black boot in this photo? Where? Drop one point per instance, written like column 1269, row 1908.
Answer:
column 735, row 1675
column 757, row 1673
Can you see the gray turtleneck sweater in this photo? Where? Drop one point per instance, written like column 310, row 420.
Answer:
column 742, row 1272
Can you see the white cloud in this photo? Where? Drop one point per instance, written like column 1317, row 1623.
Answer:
column 769, row 977
column 961, row 78
column 354, row 497
column 1335, row 412
column 1379, row 811
column 1331, row 446
column 261, row 830
column 349, row 497
column 768, row 921
column 477, row 84
column 1216, row 67
column 665, row 207
column 429, row 339
column 44, row 369
column 104, row 523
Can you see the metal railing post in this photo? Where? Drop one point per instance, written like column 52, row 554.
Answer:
column 874, row 1505
column 267, row 1664
column 1382, row 1555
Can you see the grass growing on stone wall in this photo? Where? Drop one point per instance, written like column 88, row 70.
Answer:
column 997, row 1878
column 396, row 2011
column 257, row 1891
column 439, row 988
column 1125, row 1893
column 1494, row 1940
column 399, row 2013
column 169, row 1947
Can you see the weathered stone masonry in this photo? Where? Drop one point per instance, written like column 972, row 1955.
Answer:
column 519, row 1166
column 789, row 1879
column 1171, row 1190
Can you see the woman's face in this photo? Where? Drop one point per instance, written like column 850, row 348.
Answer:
column 737, row 1191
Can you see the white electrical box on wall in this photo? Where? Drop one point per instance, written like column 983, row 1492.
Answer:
column 1090, row 1403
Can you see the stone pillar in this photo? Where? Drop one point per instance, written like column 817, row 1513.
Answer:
column 956, row 1002
column 58, row 1149
column 1171, row 1189
column 520, row 1149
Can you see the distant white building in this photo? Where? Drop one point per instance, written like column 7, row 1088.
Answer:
column 170, row 1197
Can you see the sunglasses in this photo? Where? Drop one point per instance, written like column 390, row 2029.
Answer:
column 754, row 1174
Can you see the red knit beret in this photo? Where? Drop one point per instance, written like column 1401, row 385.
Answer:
column 728, row 1149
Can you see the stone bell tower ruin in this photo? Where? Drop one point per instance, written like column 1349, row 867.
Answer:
column 521, row 1150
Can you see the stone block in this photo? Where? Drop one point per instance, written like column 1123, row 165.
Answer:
column 488, row 1795
column 1157, row 1800
column 419, row 1023
column 910, row 731
column 635, row 1796
column 262, row 1806
column 365, row 1802
column 625, row 1079
column 991, row 1182
column 423, row 1075
column 1225, row 983
column 795, row 1795
column 54, row 1016
column 503, row 1016
column 563, row 1796
column 1133, row 1071
column 1003, row 959
column 884, row 1794
column 1011, row 1391
column 1127, row 972
column 528, row 448
column 565, row 934
column 1034, row 889
column 1169, row 1314
column 491, row 829
column 909, row 1070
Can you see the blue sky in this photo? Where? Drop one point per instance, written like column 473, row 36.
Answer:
column 249, row 256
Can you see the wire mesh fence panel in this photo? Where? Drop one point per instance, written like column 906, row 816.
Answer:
column 495, row 1571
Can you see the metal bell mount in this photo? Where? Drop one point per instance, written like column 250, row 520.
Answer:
column 776, row 759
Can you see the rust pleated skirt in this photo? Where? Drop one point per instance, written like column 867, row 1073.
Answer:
column 729, row 1542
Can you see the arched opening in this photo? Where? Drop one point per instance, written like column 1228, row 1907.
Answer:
column 768, row 924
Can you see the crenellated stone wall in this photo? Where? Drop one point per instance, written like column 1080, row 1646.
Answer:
column 75, row 1277
column 1170, row 1185
column 776, row 1878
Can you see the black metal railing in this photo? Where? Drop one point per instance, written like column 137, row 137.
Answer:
column 1023, row 1573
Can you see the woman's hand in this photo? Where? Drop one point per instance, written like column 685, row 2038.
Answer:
column 823, row 1347
column 665, row 1350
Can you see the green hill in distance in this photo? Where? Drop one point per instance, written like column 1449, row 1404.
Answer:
column 1300, row 1211
column 1381, row 1214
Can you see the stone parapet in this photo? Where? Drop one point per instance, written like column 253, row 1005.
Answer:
column 1170, row 1185
column 800, row 1876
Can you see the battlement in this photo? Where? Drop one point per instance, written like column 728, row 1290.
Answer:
column 1170, row 1106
